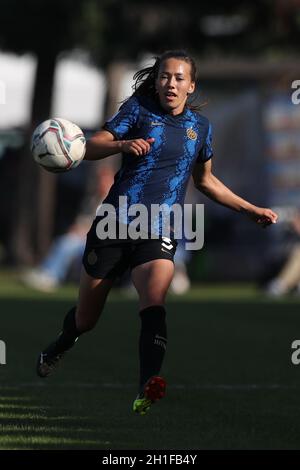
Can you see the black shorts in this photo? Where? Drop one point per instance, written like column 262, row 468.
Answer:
column 110, row 259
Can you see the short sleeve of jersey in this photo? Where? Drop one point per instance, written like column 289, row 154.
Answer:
column 206, row 151
column 123, row 121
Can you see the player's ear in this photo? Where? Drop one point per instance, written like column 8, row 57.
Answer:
column 191, row 88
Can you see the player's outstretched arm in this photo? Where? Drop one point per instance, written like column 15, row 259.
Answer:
column 212, row 187
column 103, row 144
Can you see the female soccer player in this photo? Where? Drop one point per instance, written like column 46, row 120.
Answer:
column 163, row 141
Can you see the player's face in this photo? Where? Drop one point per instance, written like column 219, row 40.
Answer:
column 174, row 84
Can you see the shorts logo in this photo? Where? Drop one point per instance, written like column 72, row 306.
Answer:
column 166, row 243
column 92, row 258
column 191, row 134
column 156, row 123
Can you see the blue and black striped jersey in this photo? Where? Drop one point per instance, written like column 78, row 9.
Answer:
column 161, row 176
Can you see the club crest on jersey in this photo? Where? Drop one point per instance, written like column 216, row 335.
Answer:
column 191, row 134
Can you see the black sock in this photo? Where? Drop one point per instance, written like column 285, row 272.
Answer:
column 69, row 334
column 153, row 341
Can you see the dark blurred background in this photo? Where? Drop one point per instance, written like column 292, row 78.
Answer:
column 75, row 59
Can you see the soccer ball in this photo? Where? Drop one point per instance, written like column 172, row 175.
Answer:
column 58, row 145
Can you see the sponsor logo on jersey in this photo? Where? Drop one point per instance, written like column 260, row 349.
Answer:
column 191, row 134
column 156, row 123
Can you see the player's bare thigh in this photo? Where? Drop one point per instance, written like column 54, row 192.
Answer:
column 152, row 280
column 91, row 300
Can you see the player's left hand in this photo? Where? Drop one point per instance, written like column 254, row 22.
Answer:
column 263, row 217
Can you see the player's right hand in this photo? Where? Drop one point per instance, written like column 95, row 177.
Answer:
column 137, row 147
column 263, row 216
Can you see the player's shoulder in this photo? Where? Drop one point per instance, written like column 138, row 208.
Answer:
column 131, row 102
column 140, row 105
column 198, row 118
column 149, row 104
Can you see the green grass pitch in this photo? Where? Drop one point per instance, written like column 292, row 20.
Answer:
column 231, row 383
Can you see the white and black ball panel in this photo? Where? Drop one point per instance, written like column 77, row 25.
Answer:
column 58, row 145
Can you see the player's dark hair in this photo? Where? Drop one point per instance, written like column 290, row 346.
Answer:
column 145, row 78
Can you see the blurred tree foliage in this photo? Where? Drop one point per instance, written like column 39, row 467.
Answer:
column 234, row 27
column 44, row 28
column 121, row 30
